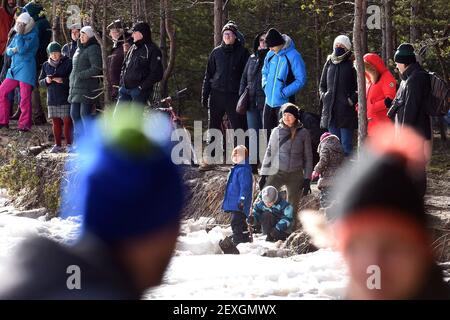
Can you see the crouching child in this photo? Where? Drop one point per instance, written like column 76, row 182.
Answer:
column 273, row 213
column 238, row 199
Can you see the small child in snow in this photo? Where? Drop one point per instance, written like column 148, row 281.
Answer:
column 55, row 77
column 238, row 196
column 331, row 156
column 273, row 213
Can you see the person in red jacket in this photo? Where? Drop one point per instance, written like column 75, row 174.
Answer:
column 381, row 89
column 6, row 20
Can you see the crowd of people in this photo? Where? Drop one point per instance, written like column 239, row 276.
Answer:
column 273, row 75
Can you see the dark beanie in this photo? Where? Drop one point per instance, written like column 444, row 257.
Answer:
column 53, row 47
column 292, row 109
column 405, row 54
column 143, row 28
column 231, row 26
column 125, row 185
column 380, row 182
column 274, row 38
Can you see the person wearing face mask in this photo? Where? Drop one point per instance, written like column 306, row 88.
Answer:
column 338, row 94
column 252, row 78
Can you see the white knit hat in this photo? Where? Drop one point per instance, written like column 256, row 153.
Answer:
column 88, row 31
column 344, row 40
column 24, row 18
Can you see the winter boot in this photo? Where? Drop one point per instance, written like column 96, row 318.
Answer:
column 228, row 247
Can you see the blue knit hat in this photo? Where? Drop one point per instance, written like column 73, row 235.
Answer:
column 124, row 185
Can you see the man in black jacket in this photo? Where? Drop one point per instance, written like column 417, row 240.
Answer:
column 69, row 48
column 411, row 99
column 220, row 92
column 141, row 68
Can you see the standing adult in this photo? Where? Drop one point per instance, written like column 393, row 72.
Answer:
column 142, row 67
column 44, row 30
column 220, row 92
column 68, row 50
column 337, row 91
column 290, row 143
column 86, row 65
column 22, row 72
column 283, row 75
column 115, row 59
column 381, row 87
column 252, row 78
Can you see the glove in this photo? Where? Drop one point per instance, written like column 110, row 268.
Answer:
column 388, row 103
column 315, row 175
column 306, row 186
column 251, row 220
column 205, row 103
column 262, row 182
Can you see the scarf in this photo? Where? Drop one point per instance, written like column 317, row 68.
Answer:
column 338, row 59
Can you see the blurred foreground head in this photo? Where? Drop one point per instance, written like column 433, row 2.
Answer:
column 378, row 222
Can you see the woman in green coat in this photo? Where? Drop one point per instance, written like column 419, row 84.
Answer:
column 84, row 83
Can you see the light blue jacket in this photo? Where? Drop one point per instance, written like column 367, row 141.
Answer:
column 23, row 62
column 275, row 74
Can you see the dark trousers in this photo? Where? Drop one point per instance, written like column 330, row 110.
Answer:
column 271, row 118
column 239, row 227
column 268, row 222
column 221, row 103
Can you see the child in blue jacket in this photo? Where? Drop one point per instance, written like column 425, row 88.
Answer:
column 238, row 194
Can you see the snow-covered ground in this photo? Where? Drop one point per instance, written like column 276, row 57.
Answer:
column 200, row 271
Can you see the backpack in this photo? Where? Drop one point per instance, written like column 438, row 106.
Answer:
column 437, row 104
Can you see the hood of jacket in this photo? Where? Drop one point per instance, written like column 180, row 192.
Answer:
column 288, row 46
column 332, row 142
column 256, row 42
column 375, row 61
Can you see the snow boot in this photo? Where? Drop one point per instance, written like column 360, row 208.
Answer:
column 228, row 247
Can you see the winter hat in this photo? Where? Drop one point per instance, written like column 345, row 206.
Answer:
column 291, row 108
column 87, row 30
column 380, row 182
column 75, row 26
column 232, row 26
column 269, row 194
column 274, row 38
column 324, row 135
column 126, row 183
column 34, row 9
column 344, row 40
column 144, row 29
column 405, row 54
column 53, row 47
column 24, row 18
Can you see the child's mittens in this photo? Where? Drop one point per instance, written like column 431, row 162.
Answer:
column 315, row 175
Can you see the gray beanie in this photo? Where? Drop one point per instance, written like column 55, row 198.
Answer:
column 88, row 31
column 269, row 194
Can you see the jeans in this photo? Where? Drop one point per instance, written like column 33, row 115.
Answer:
column 254, row 121
column 346, row 137
column 80, row 114
column 132, row 95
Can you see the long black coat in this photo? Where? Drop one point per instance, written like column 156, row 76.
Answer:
column 338, row 86
column 115, row 60
column 224, row 69
column 411, row 100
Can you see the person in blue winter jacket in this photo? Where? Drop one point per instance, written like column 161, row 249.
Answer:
column 283, row 75
column 273, row 213
column 238, row 194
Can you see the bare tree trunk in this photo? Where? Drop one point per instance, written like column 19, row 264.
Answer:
column 317, row 38
column 364, row 44
column 170, row 31
column 389, row 30
column 55, row 20
column 225, row 11
column 360, row 9
column 218, row 5
column 163, row 43
column 383, row 30
column 413, row 29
